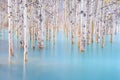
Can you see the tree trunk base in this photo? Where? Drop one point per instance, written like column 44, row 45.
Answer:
column 25, row 56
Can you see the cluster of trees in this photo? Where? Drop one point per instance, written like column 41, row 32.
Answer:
column 31, row 20
column 86, row 20
column 89, row 19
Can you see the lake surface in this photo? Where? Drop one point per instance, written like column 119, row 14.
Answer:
column 62, row 61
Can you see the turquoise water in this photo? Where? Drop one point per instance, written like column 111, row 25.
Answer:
column 62, row 61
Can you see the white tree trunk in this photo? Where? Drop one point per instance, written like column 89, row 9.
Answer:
column 41, row 25
column 83, row 25
column 10, row 24
column 25, row 31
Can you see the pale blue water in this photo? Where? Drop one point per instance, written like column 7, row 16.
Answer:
column 62, row 62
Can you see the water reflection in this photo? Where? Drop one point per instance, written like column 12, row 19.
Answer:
column 62, row 61
column 24, row 71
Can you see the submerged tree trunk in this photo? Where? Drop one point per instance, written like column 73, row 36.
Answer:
column 83, row 25
column 25, row 31
column 10, row 24
column 41, row 25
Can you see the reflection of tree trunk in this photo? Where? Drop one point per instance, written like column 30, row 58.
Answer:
column 10, row 28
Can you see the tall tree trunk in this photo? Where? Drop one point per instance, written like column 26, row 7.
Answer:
column 41, row 25
column 10, row 24
column 83, row 25
column 25, row 31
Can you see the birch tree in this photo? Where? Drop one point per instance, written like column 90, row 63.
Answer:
column 10, row 25
column 25, row 30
